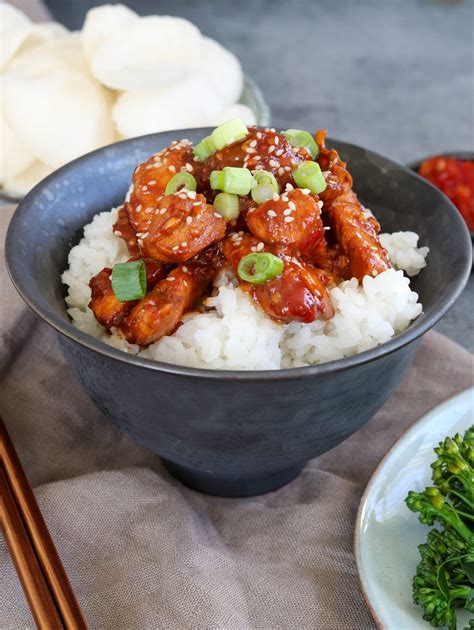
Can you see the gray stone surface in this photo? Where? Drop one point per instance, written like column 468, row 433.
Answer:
column 395, row 76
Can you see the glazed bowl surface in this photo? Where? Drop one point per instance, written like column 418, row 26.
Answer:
column 231, row 433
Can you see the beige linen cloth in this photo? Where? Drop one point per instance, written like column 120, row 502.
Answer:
column 143, row 551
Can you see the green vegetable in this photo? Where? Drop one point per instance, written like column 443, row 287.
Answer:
column 227, row 206
column 259, row 267
column 266, row 186
column 228, row 133
column 444, row 579
column 237, row 181
column 180, row 180
column 302, row 139
column 204, row 149
column 309, row 175
column 129, row 280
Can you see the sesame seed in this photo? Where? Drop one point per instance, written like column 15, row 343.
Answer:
column 273, row 163
column 184, row 244
column 185, row 269
column 117, row 233
column 175, row 248
column 289, row 219
column 197, row 203
column 305, row 191
column 288, row 187
column 250, row 150
column 198, row 216
column 272, row 130
column 192, row 194
column 257, row 157
column 172, row 168
column 189, row 220
column 287, row 169
column 148, row 210
column 250, row 210
column 276, row 197
column 279, row 152
column 292, row 205
column 253, row 249
column 189, row 167
column 234, row 236
column 259, row 167
column 149, row 166
column 170, row 279
column 326, row 173
column 320, row 204
column 217, row 215
column 281, row 170
column 271, row 148
column 151, row 182
column 144, row 188
column 276, row 140
column 327, row 228
column 139, row 207
column 260, row 246
column 259, row 135
column 287, row 211
column 253, row 143
column 284, row 197
column 163, row 210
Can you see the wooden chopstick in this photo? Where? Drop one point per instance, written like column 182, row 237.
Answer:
column 35, row 526
column 29, row 571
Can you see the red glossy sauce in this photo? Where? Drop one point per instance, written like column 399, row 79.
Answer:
column 456, row 179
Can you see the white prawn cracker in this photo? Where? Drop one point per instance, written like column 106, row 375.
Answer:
column 71, row 113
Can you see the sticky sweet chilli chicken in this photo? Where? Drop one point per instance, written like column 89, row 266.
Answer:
column 275, row 209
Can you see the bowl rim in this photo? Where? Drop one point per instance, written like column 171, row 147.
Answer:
column 415, row 330
column 466, row 155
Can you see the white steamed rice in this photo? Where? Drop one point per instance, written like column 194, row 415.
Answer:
column 237, row 334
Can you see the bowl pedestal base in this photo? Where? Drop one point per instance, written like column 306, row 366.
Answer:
column 232, row 485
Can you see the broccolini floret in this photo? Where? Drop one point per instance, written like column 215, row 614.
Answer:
column 444, row 579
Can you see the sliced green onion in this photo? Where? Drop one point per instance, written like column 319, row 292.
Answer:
column 309, row 175
column 302, row 139
column 227, row 206
column 180, row 180
column 259, row 267
column 129, row 280
column 204, row 149
column 238, row 181
column 217, row 180
column 228, row 133
column 266, row 186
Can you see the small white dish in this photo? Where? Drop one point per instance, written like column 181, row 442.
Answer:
column 387, row 533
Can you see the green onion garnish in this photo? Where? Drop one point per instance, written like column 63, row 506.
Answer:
column 309, row 175
column 129, row 280
column 237, row 181
column 266, row 186
column 302, row 139
column 227, row 206
column 204, row 149
column 228, row 133
column 180, row 180
column 259, row 267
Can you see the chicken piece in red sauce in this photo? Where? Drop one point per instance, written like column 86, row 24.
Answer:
column 262, row 149
column 107, row 308
column 125, row 230
column 182, row 225
column 355, row 230
column 160, row 312
column 151, row 178
column 297, row 294
column 294, row 220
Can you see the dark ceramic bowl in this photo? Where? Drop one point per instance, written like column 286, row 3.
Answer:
column 231, row 433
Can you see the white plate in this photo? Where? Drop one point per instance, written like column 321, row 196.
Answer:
column 387, row 533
